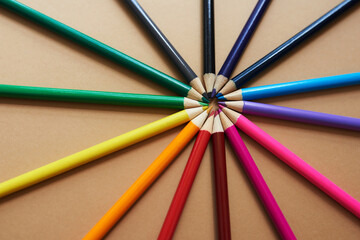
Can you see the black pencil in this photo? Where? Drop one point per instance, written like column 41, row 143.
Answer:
column 284, row 48
column 170, row 50
column 209, row 45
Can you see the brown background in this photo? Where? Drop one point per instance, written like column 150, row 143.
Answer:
column 34, row 133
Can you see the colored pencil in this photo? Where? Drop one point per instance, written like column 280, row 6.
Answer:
column 293, row 114
column 286, row 47
column 256, row 179
column 100, row 150
column 169, row 49
column 146, row 179
column 239, row 47
column 295, row 162
column 209, row 45
column 104, row 50
column 287, row 88
column 186, row 181
column 221, row 186
column 98, row 97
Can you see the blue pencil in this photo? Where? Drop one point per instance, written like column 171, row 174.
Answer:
column 281, row 89
column 240, row 45
column 249, row 73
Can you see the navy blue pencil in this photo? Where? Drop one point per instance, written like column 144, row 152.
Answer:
column 249, row 73
column 239, row 46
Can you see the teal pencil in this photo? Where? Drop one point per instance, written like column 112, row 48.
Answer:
column 100, row 97
column 114, row 55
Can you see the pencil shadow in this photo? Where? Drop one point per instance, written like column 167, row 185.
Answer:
column 298, row 48
column 87, row 106
column 126, row 10
column 320, row 195
column 96, row 163
column 82, row 50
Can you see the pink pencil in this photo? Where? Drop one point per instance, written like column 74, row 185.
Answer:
column 294, row 161
column 256, row 179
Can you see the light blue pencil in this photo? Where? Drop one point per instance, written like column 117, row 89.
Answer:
column 281, row 89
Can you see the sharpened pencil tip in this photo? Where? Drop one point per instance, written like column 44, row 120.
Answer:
column 222, row 103
column 213, row 94
column 221, row 106
column 203, row 104
column 209, row 109
column 205, row 100
column 205, row 107
column 220, row 97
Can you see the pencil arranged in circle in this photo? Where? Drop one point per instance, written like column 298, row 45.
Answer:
column 100, row 150
column 294, row 114
column 98, row 97
column 209, row 45
column 283, row 49
column 287, row 88
column 256, row 179
column 295, row 162
column 104, row 50
column 186, row 181
column 240, row 45
column 170, row 50
column 221, row 185
column 145, row 180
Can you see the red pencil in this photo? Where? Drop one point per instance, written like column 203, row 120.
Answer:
column 221, row 187
column 186, row 181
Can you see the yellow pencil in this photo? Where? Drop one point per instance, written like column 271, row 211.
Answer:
column 102, row 149
column 146, row 179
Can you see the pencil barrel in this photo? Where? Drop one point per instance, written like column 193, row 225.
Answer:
column 315, row 84
column 221, row 186
column 244, row 38
column 299, row 165
column 294, row 41
column 259, row 184
column 209, row 36
column 161, row 39
column 184, row 187
column 142, row 183
column 92, row 153
column 298, row 115
column 87, row 96
column 98, row 47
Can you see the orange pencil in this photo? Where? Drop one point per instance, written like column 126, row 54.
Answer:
column 146, row 179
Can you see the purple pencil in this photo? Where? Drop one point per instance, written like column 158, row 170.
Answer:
column 256, row 179
column 293, row 114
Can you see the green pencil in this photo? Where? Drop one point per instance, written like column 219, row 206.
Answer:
column 118, row 57
column 100, row 97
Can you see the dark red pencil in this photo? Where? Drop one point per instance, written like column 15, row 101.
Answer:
column 186, row 181
column 221, row 187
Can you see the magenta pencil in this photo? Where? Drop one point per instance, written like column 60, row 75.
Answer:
column 221, row 186
column 256, row 179
column 295, row 162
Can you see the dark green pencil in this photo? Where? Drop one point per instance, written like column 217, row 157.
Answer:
column 100, row 97
column 116, row 56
